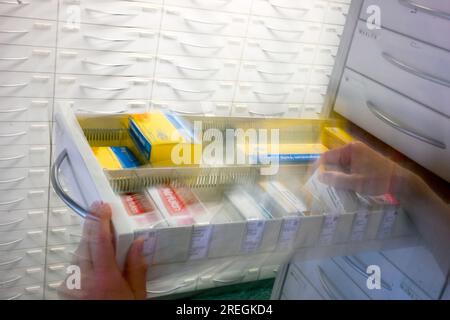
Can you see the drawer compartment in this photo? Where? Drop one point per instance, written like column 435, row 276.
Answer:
column 21, row 277
column 31, row 292
column 40, row 9
column 22, row 239
column 412, row 128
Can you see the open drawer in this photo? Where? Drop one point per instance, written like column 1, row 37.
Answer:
column 236, row 237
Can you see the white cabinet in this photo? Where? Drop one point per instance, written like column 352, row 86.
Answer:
column 27, row 32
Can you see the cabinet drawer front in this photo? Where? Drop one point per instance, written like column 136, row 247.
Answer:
column 102, row 87
column 114, row 13
column 105, row 106
column 270, row 93
column 64, row 235
column 411, row 128
column 93, row 37
column 260, row 71
column 313, row 11
column 63, row 216
column 21, row 277
column 31, row 292
column 15, row 133
column 415, row 69
column 238, row 6
column 421, row 19
column 15, row 84
column 61, row 254
column 277, row 51
column 198, row 45
column 25, row 58
column 27, row 32
column 39, row 9
column 24, row 178
column 24, row 199
column 22, row 258
column 196, row 68
column 25, row 109
column 24, row 156
column 193, row 107
column 266, row 110
column 23, row 219
column 104, row 63
column 22, row 239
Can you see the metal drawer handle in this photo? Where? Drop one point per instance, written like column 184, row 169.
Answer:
column 86, row 86
column 271, row 94
column 107, row 39
column 200, row 45
column 10, row 135
column 14, row 31
column 168, row 290
column 59, row 190
column 24, row 84
column 268, row 114
column 102, row 112
column 425, row 9
column 12, row 158
column 11, row 261
column 111, row 13
column 12, row 202
column 415, row 71
column 111, row 65
column 361, row 269
column 15, row 297
column 206, row 22
column 13, row 110
column 11, row 223
column 327, row 284
column 4, row 244
column 12, row 180
column 286, row 7
column 276, row 73
column 14, row 58
column 396, row 125
column 17, row 278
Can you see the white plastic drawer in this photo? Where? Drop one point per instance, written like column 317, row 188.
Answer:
column 24, row 156
column 203, row 21
column 102, row 87
column 24, row 178
column 311, row 111
column 326, row 55
column 104, row 63
column 239, row 6
column 194, row 107
column 196, row 68
column 22, row 239
column 267, row 110
column 113, row 13
column 24, row 199
column 22, row 258
column 106, row 106
column 260, row 71
column 314, row 11
column 192, row 90
column 25, row 58
column 315, row 94
column 15, row 133
column 63, row 216
column 95, row 37
column 336, row 13
column 270, row 93
column 64, row 235
column 40, row 9
column 25, row 109
column 190, row 44
column 408, row 126
column 61, row 253
column 30, row 292
column 23, row 219
column 56, row 271
column 418, row 70
column 425, row 24
column 19, row 84
column 320, row 75
column 21, row 277
column 298, row 287
column 27, row 32
column 277, row 51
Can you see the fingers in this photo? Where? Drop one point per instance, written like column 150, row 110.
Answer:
column 341, row 180
column 136, row 269
column 339, row 156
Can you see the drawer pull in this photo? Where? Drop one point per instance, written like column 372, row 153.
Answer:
column 86, row 86
column 415, row 71
column 14, row 31
column 271, row 94
column 12, row 202
column 327, row 285
column 271, row 28
column 168, row 290
column 236, row 279
column 14, row 110
column 110, row 65
column 23, row 84
column 359, row 267
column 279, row 6
column 17, row 3
column 425, row 9
column 14, row 58
column 188, row 90
column 267, row 114
column 59, row 190
column 107, row 39
column 187, row 112
column 277, row 51
column 189, row 68
column 200, row 45
column 206, row 22
column 276, row 73
column 4, row 244
column 11, row 261
column 11, row 223
column 102, row 112
column 12, row 158
column 396, row 125
column 111, row 13
column 12, row 180
column 15, row 297
column 17, row 278
column 10, row 135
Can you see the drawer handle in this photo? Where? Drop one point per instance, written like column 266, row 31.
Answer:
column 279, row 6
column 271, row 94
column 17, row 3
column 277, row 51
column 4, row 244
column 111, row 13
column 23, row 84
column 206, row 22
column 415, row 71
column 269, row 27
column 10, row 135
column 240, row 278
column 187, row 90
column 59, row 190
column 11, row 223
column 327, row 284
column 106, row 39
column 168, row 290
column 14, row 110
column 109, row 65
column 396, row 125
column 267, row 114
column 86, row 86
column 359, row 267
column 14, row 58
column 17, row 278
column 102, row 112
column 12, row 180
column 15, row 297
column 187, row 112
column 14, row 31
column 276, row 73
column 12, row 202
column 200, row 45
column 11, row 261
column 428, row 10
column 12, row 158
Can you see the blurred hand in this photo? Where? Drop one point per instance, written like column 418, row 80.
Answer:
column 359, row 168
column 101, row 277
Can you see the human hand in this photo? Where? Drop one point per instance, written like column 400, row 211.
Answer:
column 101, row 278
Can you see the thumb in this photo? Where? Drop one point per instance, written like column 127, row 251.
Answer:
column 341, row 180
column 136, row 270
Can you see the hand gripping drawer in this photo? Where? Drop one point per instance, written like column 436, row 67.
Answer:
column 412, row 128
column 18, row 84
column 426, row 20
column 23, row 219
column 22, row 239
column 26, row 58
column 39, row 9
column 15, row 133
column 20, row 277
column 25, row 109
column 415, row 69
column 22, row 258
column 24, row 156
column 27, row 32
column 23, row 178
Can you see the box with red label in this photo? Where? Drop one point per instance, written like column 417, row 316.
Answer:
column 143, row 210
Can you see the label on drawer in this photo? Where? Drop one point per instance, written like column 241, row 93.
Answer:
column 328, row 229
column 253, row 235
column 288, row 233
column 200, row 242
column 359, row 225
column 387, row 223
